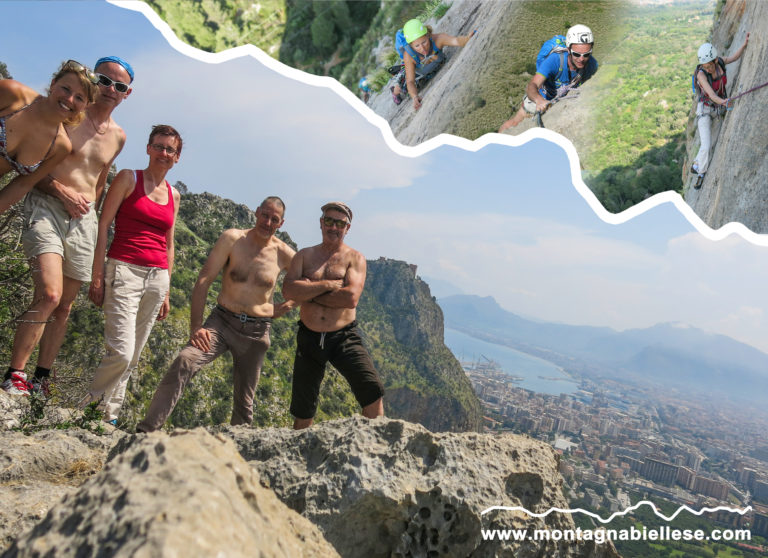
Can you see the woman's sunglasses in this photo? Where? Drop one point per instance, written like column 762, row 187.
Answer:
column 75, row 66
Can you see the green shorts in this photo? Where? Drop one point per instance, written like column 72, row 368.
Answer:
column 48, row 229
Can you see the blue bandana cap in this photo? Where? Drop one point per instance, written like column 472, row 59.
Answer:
column 116, row 60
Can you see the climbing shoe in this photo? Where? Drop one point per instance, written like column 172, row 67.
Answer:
column 395, row 98
column 699, row 182
column 695, row 168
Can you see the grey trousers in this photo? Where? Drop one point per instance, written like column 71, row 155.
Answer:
column 248, row 342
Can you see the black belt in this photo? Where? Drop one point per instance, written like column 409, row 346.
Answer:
column 243, row 317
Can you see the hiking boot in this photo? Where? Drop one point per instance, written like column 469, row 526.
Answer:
column 40, row 386
column 16, row 384
column 699, row 182
column 396, row 98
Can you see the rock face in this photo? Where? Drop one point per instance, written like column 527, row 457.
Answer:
column 454, row 92
column 450, row 89
column 424, row 382
column 189, row 494
column 386, row 488
column 735, row 186
column 38, row 470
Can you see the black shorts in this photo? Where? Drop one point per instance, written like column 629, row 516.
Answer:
column 345, row 351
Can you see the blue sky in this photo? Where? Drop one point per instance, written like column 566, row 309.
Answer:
column 503, row 220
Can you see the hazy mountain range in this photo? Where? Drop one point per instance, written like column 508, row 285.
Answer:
column 676, row 354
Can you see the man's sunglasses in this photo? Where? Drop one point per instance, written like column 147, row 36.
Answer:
column 106, row 81
column 338, row 223
column 581, row 54
column 75, row 66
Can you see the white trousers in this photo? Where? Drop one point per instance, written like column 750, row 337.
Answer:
column 704, row 115
column 133, row 295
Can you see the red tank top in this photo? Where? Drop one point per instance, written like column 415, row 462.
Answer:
column 140, row 228
column 718, row 86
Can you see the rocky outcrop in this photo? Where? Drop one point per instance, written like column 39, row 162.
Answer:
column 38, row 470
column 188, row 494
column 735, row 186
column 365, row 488
column 424, row 382
column 386, row 488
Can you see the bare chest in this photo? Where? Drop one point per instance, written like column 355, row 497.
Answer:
column 253, row 267
column 91, row 151
column 334, row 267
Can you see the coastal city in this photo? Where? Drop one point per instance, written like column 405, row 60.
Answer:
column 623, row 443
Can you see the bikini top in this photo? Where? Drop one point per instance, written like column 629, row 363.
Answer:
column 18, row 167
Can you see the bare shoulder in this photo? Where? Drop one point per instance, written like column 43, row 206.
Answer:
column 126, row 174
column 126, row 177
column 118, row 134
column 230, row 236
column 308, row 251
column 14, row 95
column 353, row 255
column 282, row 247
column 176, row 195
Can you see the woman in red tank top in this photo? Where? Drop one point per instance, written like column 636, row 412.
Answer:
column 133, row 284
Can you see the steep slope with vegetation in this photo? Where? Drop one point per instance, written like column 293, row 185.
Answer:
column 642, row 102
column 735, row 185
column 424, row 381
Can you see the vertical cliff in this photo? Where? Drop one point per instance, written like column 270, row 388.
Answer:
column 735, row 187
column 403, row 326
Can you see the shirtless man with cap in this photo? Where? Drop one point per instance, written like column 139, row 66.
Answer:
column 327, row 280
column 61, row 227
column 251, row 261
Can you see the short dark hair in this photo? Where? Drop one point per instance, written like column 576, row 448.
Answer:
column 166, row 130
column 275, row 200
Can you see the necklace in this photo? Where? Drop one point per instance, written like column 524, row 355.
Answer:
column 96, row 128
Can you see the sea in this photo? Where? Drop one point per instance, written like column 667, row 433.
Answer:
column 537, row 374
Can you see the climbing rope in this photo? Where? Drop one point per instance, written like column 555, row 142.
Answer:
column 748, row 91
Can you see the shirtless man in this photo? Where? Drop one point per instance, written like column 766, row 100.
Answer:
column 61, row 227
column 252, row 260
column 327, row 280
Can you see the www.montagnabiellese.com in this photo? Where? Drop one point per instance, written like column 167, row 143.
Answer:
column 600, row 536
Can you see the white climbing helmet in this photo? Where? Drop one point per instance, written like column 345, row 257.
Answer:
column 707, row 53
column 579, row 34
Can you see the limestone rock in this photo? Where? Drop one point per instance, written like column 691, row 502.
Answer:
column 36, row 471
column 386, row 488
column 189, row 494
column 399, row 312
column 735, row 185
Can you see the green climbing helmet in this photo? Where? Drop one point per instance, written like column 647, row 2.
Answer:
column 413, row 29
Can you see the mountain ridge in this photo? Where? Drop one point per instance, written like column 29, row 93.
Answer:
column 667, row 352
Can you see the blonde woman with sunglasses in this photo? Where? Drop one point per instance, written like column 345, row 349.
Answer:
column 32, row 136
column 132, row 285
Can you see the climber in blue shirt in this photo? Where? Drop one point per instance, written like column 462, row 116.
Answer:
column 560, row 70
